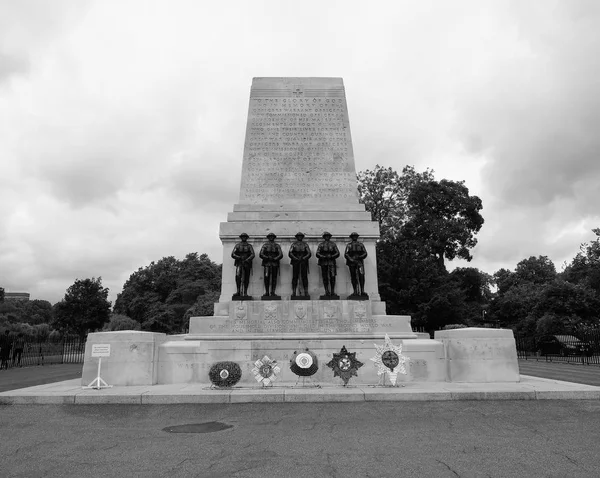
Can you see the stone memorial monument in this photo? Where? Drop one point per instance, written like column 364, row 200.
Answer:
column 298, row 174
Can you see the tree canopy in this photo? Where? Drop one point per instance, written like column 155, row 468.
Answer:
column 84, row 308
column 423, row 222
column 443, row 219
column 163, row 295
column 535, row 299
column 385, row 194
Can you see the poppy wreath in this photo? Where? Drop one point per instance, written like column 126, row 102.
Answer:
column 304, row 364
column 225, row 374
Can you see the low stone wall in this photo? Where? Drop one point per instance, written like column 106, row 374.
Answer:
column 480, row 355
column 133, row 358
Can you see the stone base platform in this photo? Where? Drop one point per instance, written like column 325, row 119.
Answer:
column 70, row 392
column 188, row 361
column 143, row 358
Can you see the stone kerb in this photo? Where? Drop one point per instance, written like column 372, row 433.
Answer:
column 480, row 355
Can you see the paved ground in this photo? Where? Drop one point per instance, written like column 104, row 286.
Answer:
column 569, row 372
column 15, row 378
column 426, row 439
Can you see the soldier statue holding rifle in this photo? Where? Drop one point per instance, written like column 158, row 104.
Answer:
column 299, row 254
column 242, row 253
column 271, row 254
column 355, row 255
column 327, row 253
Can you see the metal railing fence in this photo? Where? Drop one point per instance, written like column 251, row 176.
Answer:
column 33, row 352
column 574, row 347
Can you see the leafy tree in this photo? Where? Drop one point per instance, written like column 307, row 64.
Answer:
column 572, row 303
column 385, row 193
column 161, row 296
column 1, row 294
column 585, row 267
column 416, row 285
column 423, row 222
column 475, row 284
column 504, row 280
column 443, row 219
column 550, row 324
column 84, row 309
column 537, row 270
column 513, row 307
column 121, row 322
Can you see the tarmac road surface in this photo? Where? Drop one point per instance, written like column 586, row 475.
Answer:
column 537, row 438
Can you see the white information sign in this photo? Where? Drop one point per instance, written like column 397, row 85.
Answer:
column 100, row 350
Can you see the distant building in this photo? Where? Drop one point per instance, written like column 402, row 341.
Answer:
column 16, row 296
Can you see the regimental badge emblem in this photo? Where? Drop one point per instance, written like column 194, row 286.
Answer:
column 300, row 310
column 266, row 371
column 240, row 312
column 360, row 311
column 329, row 311
column 389, row 360
column 345, row 365
column 271, row 311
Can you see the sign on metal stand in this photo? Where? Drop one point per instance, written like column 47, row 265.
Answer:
column 99, row 351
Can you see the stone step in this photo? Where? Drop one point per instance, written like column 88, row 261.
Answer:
column 302, row 206
column 298, row 216
column 339, row 227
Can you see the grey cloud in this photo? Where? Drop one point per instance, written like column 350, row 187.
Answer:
column 537, row 117
column 207, row 178
column 12, row 64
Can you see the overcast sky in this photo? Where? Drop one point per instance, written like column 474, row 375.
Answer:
column 122, row 122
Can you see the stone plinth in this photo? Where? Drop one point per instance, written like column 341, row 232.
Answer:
column 247, row 331
column 298, row 319
column 189, row 361
column 480, row 355
column 133, row 358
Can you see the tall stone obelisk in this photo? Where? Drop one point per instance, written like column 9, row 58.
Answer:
column 298, row 175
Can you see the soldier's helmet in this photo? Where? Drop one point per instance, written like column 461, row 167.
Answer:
column 354, row 234
column 326, row 234
column 243, row 234
column 299, row 235
column 271, row 235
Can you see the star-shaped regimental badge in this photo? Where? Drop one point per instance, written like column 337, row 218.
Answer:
column 344, row 365
column 389, row 359
column 265, row 371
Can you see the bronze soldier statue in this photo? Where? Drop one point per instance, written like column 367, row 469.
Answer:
column 327, row 253
column 355, row 255
column 271, row 254
column 299, row 255
column 243, row 253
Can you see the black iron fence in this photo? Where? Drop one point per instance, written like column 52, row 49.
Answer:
column 581, row 347
column 65, row 350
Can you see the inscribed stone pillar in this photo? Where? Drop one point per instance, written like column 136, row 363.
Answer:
column 298, row 174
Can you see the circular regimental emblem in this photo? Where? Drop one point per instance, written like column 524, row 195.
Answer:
column 266, row 370
column 304, row 360
column 345, row 364
column 390, row 359
column 224, row 374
